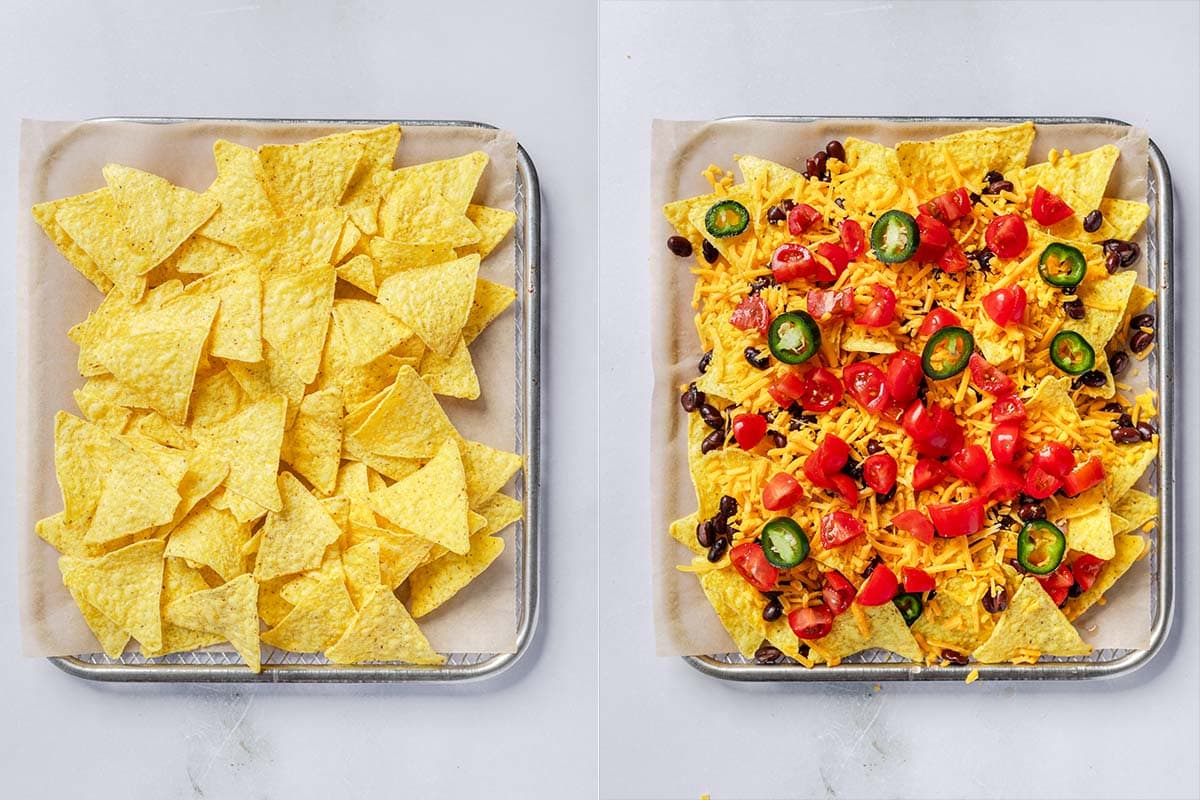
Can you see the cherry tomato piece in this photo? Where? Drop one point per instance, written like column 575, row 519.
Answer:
column 970, row 464
column 749, row 430
column 854, row 240
column 752, row 313
column 839, row 527
column 916, row 524
column 879, row 472
column 1083, row 477
column 1008, row 409
column 881, row 310
column 1001, row 484
column 832, row 454
column 958, row 519
column 935, row 238
column 781, row 491
column 1054, row 457
column 1048, row 208
column 867, row 384
column 1085, row 569
column 879, row 588
column 801, row 218
column 926, row 473
column 837, row 592
column 1007, row 236
column 1058, row 583
column 949, row 207
column 987, row 378
column 1006, row 440
column 953, row 259
column 917, row 580
column 838, row 260
column 1006, row 305
column 787, row 389
column 813, row 622
column 904, row 376
column 815, row 472
column 846, row 488
column 822, row 390
column 831, row 302
column 937, row 319
column 1040, row 484
column 751, row 563
column 791, row 261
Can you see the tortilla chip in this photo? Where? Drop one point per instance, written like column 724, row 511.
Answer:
column 1137, row 508
column 739, row 607
column 237, row 330
column 951, row 616
column 229, row 611
column 383, row 631
column 250, row 442
column 211, row 538
column 487, row 469
column 453, row 376
column 359, row 271
column 432, row 502
column 319, row 616
column 392, row 257
column 312, row 175
column 874, row 177
column 66, row 539
column 1105, row 301
column 408, row 422
column 180, row 580
column 434, row 301
column 155, row 216
column 111, row 636
column 241, row 190
column 1127, row 550
column 888, row 631
column 362, row 332
column 124, row 585
column 434, row 584
column 412, row 210
column 500, row 511
column 1031, row 622
column 493, row 224
column 294, row 244
column 44, row 213
column 1125, row 466
column 271, row 377
column 943, row 164
column 489, row 301
column 363, row 572
column 92, row 222
column 215, row 398
column 1120, row 219
column 684, row 531
column 1078, row 178
column 399, row 553
column 296, row 309
column 294, row 538
column 1088, row 522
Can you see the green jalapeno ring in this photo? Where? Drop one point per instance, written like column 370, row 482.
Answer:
column 1040, row 538
column 784, row 542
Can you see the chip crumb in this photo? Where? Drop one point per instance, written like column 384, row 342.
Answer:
column 972, row 676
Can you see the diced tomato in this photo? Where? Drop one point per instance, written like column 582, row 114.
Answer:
column 1001, row 483
column 752, row 313
column 1006, row 440
column 867, row 385
column 838, row 260
column 880, row 312
column 832, row 454
column 749, row 429
column 1054, row 457
column 801, row 218
column 917, row 580
column 1006, row 305
column 990, row 379
column 1085, row 569
column 1007, row 236
column 815, row 473
column 942, row 435
column 833, row 302
column 904, row 376
column 853, row 239
column 970, row 464
column 916, row 524
column 1040, row 484
column 813, row 622
column 926, row 473
column 837, row 592
column 791, row 261
column 787, row 389
column 781, row 491
column 839, row 527
column 1008, row 409
column 822, row 390
column 949, row 207
column 751, row 563
column 1058, row 583
column 845, row 486
column 1083, row 477
column 937, row 319
column 879, row 472
column 1048, row 208
column 935, row 238
column 879, row 588
column 957, row 519
column 953, row 259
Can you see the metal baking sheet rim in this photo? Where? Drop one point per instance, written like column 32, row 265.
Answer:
column 1164, row 587
column 528, row 568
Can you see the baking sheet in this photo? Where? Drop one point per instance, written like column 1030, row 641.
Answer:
column 685, row 623
column 65, row 158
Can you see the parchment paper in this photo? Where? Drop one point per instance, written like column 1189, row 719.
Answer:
column 59, row 159
column 685, row 623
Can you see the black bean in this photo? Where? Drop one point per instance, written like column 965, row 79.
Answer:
column 710, row 252
column 1125, row 421
column 705, row 360
column 984, row 257
column 1114, row 408
column 840, row 202
column 1031, row 511
column 815, row 166
column 756, row 358
column 1112, row 263
column 773, row 610
column 994, row 604
column 728, row 506
column 873, row 447
column 1070, row 291
column 1093, row 378
column 1145, row 431
column 1153, row 425
column 975, row 198
column 955, row 657
column 853, row 469
column 887, row 496
column 760, row 283
column 712, row 442
column 1093, row 221
column 993, row 176
column 711, row 416
column 767, row 654
column 679, row 246
column 1129, row 254
column 998, row 187
column 720, row 526
column 1140, row 340
column 717, row 550
column 1142, row 321
column 778, row 440
column 1110, row 245
column 1075, row 309
column 1016, row 564
column 704, row 534
column 1118, row 362
column 691, row 399
column 776, row 214
column 1075, row 590
column 1126, row 435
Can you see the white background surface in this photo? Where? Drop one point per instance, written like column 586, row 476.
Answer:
column 528, row 733
column 667, row 731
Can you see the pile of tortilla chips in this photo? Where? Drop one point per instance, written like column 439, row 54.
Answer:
column 261, row 438
column 1106, row 522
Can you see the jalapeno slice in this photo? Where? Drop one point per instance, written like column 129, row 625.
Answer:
column 784, row 542
column 1040, row 547
column 894, row 237
column 1071, row 353
column 947, row 352
column 1062, row 265
column 794, row 337
column 726, row 218
column 910, row 606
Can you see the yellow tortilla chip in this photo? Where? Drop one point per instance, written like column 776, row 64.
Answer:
column 392, row 257
column 383, row 631
column 1031, row 622
column 487, row 469
column 250, row 442
column 237, row 330
column 92, row 222
column 1105, row 301
column 360, row 384
column 1137, row 508
column 361, row 199
column 1120, row 219
column 1088, row 522
column 66, row 539
column 124, row 585
column 111, row 636
column 362, row 332
column 363, row 573
column 215, row 398
column 101, row 401
column 414, row 209
column 500, row 511
column 493, row 224
column 111, row 318
column 211, row 538
column 294, row 244
column 1078, row 178
column 452, row 376
column 305, row 177
column 946, row 163
column 407, row 423
column 155, row 216
column 874, row 178
column 229, row 611
column 359, row 271
column 1127, row 550
column 739, row 607
column 887, row 632
column 684, row 531
column 432, row 502
column 434, row 584
column 434, row 301
column 44, row 213
column 296, row 309
column 199, row 255
column 489, row 301
column 313, row 445
column 399, row 553
column 273, row 376
column 320, row 614
column 1125, row 465
column 294, row 538
column 951, row 616
column 241, row 190
column 180, row 580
